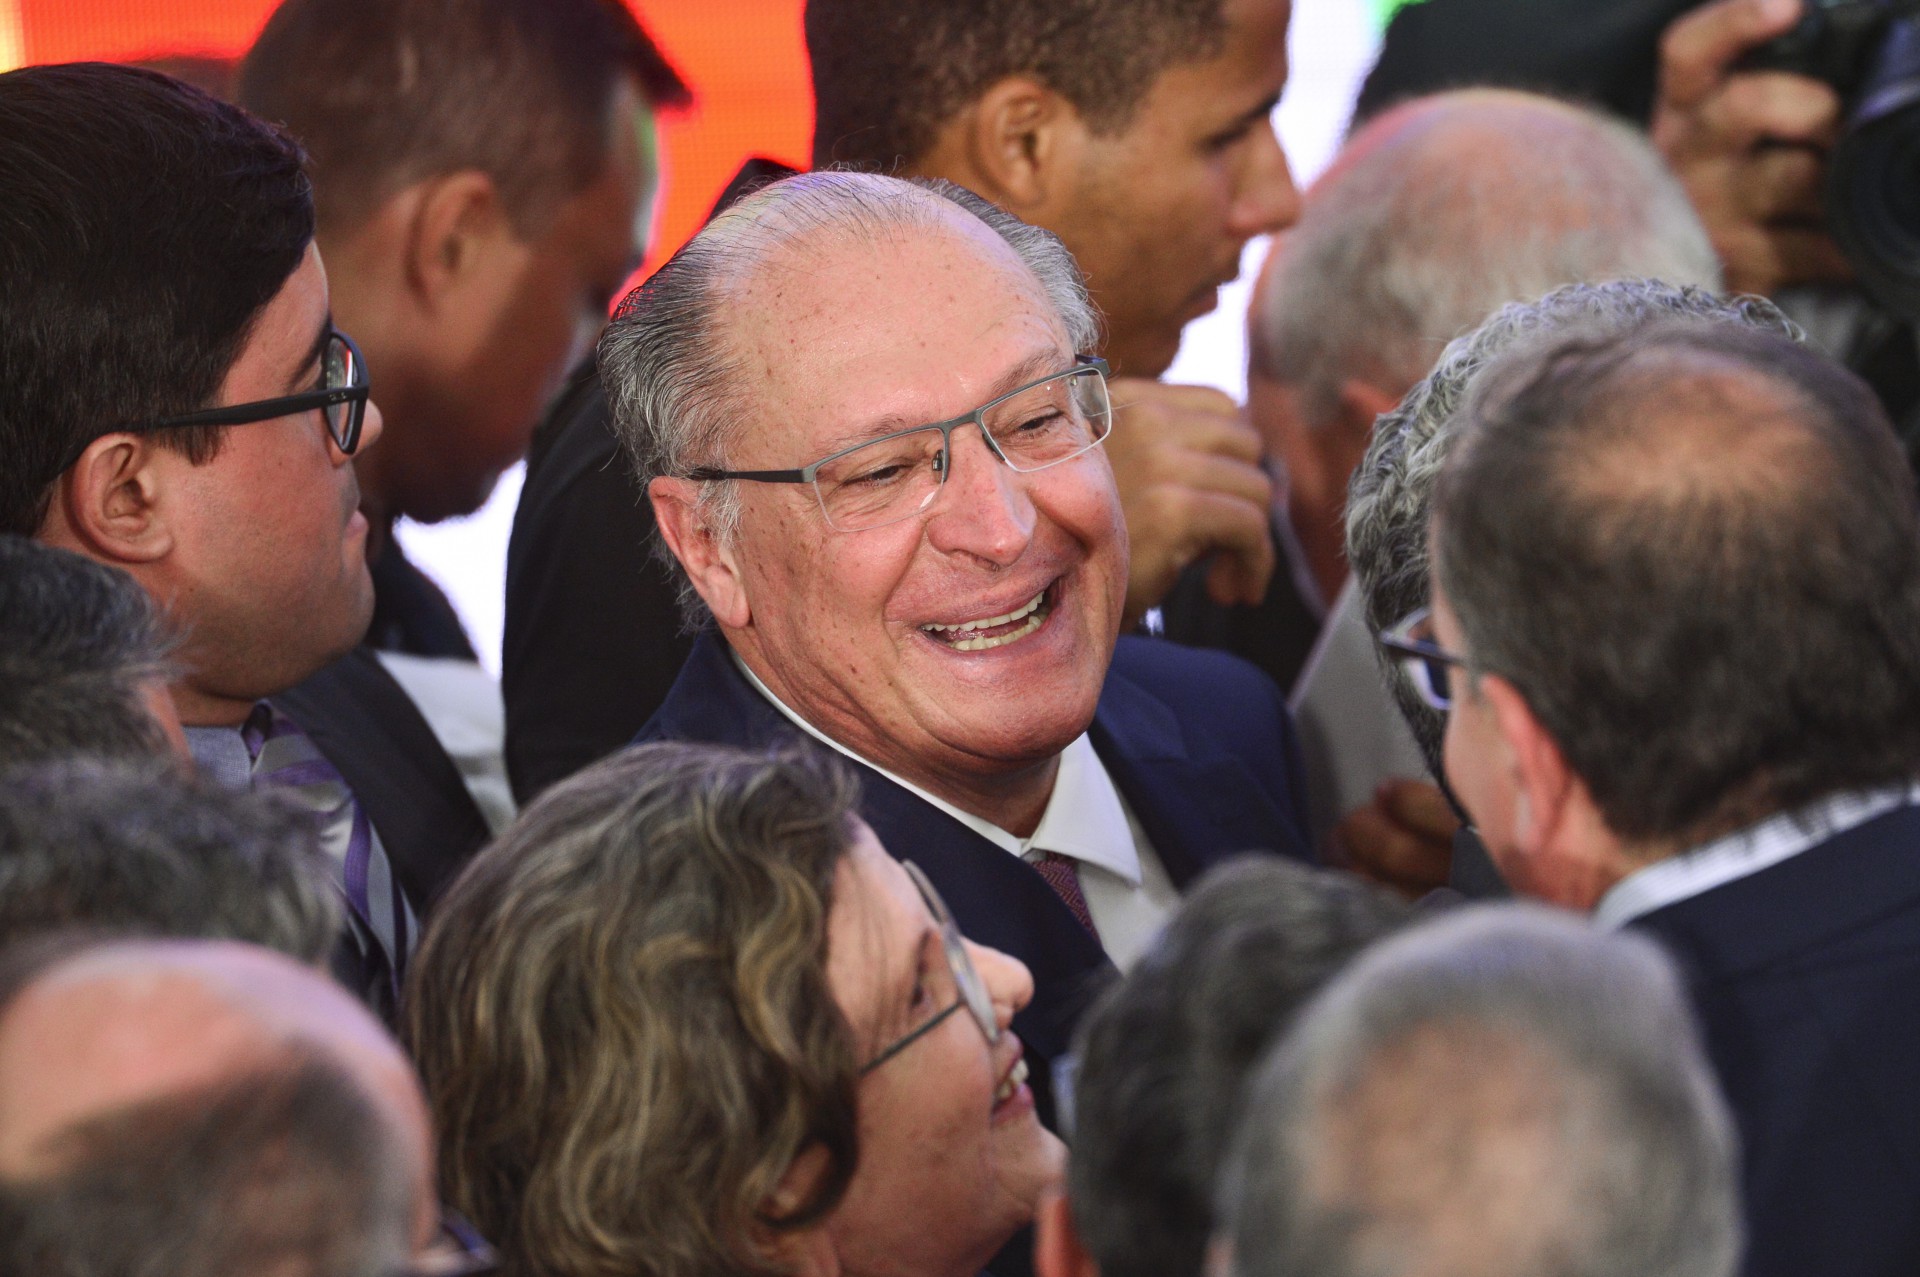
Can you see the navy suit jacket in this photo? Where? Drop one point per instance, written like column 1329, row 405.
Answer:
column 1806, row 978
column 1199, row 743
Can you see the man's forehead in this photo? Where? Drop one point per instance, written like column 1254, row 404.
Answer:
column 896, row 322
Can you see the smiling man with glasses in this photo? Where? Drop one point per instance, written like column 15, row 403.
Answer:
column 873, row 434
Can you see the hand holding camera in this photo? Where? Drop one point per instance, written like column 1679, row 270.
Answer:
column 1796, row 129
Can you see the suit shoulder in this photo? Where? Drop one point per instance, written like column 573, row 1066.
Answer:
column 1201, row 678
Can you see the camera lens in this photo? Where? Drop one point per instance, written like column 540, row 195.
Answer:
column 1873, row 193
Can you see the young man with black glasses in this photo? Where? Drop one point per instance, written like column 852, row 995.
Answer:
column 177, row 403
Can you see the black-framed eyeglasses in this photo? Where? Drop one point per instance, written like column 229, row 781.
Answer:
column 1421, row 658
column 341, row 397
column 896, row 476
column 971, row 989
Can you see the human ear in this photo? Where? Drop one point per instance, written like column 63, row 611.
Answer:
column 809, row 1251
column 457, row 220
column 704, row 553
column 1361, row 404
column 1542, row 779
column 1017, row 144
column 1057, row 1248
column 108, row 504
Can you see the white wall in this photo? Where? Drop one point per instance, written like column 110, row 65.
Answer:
column 1332, row 45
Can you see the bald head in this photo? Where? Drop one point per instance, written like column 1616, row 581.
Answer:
column 1694, row 548
column 136, row 1043
column 1441, row 211
column 1576, row 1126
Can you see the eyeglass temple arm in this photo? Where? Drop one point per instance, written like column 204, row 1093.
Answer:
column 246, row 414
column 707, row 474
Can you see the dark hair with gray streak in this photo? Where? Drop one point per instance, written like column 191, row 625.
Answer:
column 1391, row 494
column 77, row 641
column 1694, row 549
column 1502, row 1092
column 674, row 389
column 138, row 849
column 1165, row 1055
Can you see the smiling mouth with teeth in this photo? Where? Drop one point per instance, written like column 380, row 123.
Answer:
column 1015, row 1079
column 994, row 631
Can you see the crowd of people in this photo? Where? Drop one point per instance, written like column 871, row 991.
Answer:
column 1088, row 856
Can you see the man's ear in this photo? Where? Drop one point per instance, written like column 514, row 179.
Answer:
column 1057, row 1249
column 704, row 554
column 455, row 220
column 108, row 505
column 1543, row 782
column 1018, row 144
column 1361, row 403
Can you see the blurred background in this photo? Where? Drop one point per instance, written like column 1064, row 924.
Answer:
column 747, row 64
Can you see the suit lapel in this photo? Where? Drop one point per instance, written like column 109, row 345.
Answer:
column 997, row 899
column 1196, row 809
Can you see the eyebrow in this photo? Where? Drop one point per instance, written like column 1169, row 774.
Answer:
column 313, row 354
column 1040, row 363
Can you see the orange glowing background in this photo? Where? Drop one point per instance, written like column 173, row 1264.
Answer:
column 745, row 59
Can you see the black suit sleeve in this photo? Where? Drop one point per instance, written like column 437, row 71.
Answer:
column 592, row 640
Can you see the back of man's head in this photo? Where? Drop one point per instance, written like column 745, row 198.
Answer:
column 83, row 654
column 146, row 226
column 1443, row 210
column 384, row 95
column 1391, row 494
column 140, row 850
column 1501, row 1092
column 1165, row 1055
column 1694, row 549
column 198, row 1110
column 888, row 74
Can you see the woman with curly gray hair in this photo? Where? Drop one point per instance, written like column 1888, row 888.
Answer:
column 688, row 1017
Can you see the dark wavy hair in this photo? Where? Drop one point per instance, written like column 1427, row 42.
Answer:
column 147, row 225
column 622, row 1015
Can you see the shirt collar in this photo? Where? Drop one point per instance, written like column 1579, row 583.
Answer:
column 1743, row 853
column 220, row 754
column 1084, row 818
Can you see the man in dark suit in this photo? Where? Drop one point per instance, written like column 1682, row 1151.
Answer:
column 181, row 406
column 939, row 602
column 1141, row 134
column 1676, row 620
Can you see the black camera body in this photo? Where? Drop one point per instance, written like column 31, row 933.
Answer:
column 1868, row 50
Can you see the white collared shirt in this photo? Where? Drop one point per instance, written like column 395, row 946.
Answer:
column 1127, row 888
column 1747, row 851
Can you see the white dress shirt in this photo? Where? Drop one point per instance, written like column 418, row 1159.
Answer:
column 1127, row 888
column 1743, row 852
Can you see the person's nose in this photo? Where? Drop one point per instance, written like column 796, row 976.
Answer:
column 1267, row 200
column 985, row 510
column 1008, row 981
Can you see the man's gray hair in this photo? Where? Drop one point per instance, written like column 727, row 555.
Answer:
column 1448, row 207
column 1165, row 1055
column 79, row 642
column 1503, row 1091
column 674, row 386
column 1391, row 494
column 137, row 849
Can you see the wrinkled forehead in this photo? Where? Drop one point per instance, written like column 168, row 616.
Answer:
column 846, row 326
